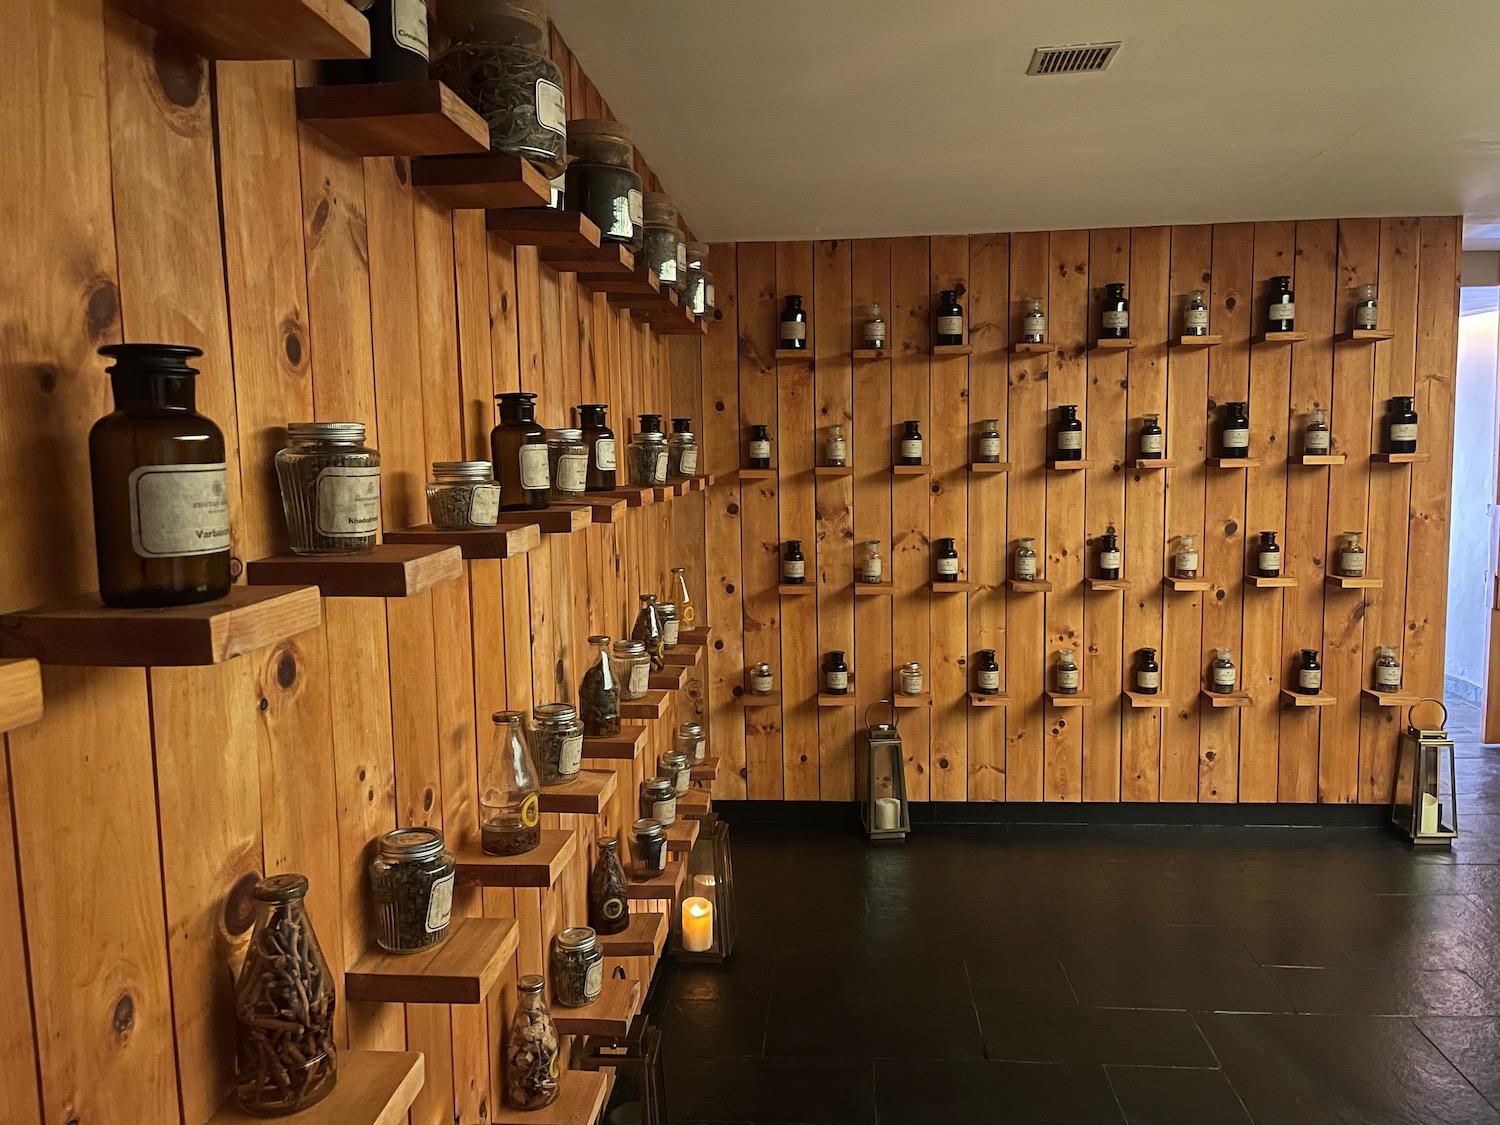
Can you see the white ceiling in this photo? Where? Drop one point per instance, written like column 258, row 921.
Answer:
column 794, row 119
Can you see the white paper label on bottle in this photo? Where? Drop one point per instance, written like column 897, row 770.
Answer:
column 1269, row 562
column 835, row 450
column 1388, row 676
column 989, row 680
column 570, row 757
column 484, row 506
column 989, row 449
column 1315, row 442
column 409, row 25
column 179, row 510
column 1187, row 562
column 1109, row 560
column 440, row 905
column 687, row 464
column 1151, row 444
column 793, row 568
column 708, row 294
column 682, row 259
column 665, row 811
column 950, row 325
column 911, row 683
column 1115, row 318
column 593, row 980
column 1223, row 677
column 348, row 502
column 1236, row 439
column 1283, row 310
column 870, row 570
column 671, row 630
column 1404, row 431
column 760, row 683
column 794, row 330
column 760, row 450
column 947, row 567
column 911, row 447
column 1352, row 563
column 660, row 476
column 666, row 271
column 640, row 678
column 1147, row 680
column 1067, row 679
column 635, row 205
column 1196, row 318
column 1070, row 439
column 1366, row 316
column 534, row 466
column 1026, row 568
column 572, row 472
column 838, row 681
column 1310, row 679
column 1035, row 325
column 604, row 454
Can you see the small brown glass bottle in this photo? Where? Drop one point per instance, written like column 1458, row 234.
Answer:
column 950, row 319
column 909, row 450
column 1309, row 673
column 1268, row 556
column 1109, row 556
column 609, row 910
column 758, row 451
column 793, row 336
column 1148, row 673
column 836, row 674
column 518, row 447
column 600, row 441
column 161, row 491
column 986, row 673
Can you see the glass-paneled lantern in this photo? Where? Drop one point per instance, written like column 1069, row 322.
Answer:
column 639, row 1096
column 882, row 779
column 704, row 921
column 1424, row 800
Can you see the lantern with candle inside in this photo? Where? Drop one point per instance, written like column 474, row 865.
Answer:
column 638, row 1095
column 882, row 779
column 710, row 880
column 1423, row 806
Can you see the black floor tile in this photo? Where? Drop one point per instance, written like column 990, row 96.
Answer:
column 1021, row 977
column 1193, row 967
column 1126, row 1036
column 1384, row 992
column 760, row 1091
column 709, row 1027
column 1472, row 1044
column 747, row 977
column 1276, row 945
column 1168, row 1096
column 985, row 1093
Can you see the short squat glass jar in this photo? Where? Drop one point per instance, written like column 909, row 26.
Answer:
column 1025, row 570
column 602, row 181
column 870, row 568
column 568, row 464
column 910, row 680
column 330, row 488
column 675, row 765
column 633, row 665
column 557, row 742
column 462, row 496
column 648, row 453
column 682, row 450
column 577, row 967
column 412, row 878
column 1387, row 669
column 698, row 282
column 761, row 680
column 690, row 741
column 648, row 848
column 1185, row 561
column 659, row 801
column 662, row 248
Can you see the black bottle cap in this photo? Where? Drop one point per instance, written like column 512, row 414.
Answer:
column 166, row 359
column 601, row 407
column 650, row 423
column 836, row 655
column 910, row 424
column 945, row 544
column 1282, row 281
column 947, row 296
column 1115, row 288
column 516, row 396
column 758, row 431
column 1309, row 654
column 794, row 544
column 987, row 653
column 794, row 298
column 682, row 425
column 1068, row 410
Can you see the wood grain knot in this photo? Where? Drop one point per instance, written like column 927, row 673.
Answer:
column 719, row 406
column 291, row 343
column 239, row 904
column 102, row 310
column 1231, row 302
column 484, row 1109
column 729, row 587
column 320, row 216
column 286, row 668
column 733, row 509
column 265, row 704
column 124, row 1016
column 46, row 378
column 399, row 167
column 428, row 797
column 179, row 71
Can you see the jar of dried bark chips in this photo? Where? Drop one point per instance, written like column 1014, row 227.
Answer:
column 531, row 1049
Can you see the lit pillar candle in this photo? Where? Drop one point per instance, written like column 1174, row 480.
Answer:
column 697, row 925
column 1428, row 825
column 887, row 813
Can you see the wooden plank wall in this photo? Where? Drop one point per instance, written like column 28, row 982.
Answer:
column 150, row 195
column 1029, row 750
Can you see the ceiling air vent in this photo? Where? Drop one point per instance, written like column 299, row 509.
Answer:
column 1079, row 58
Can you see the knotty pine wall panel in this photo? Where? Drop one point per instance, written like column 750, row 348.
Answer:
column 1030, row 750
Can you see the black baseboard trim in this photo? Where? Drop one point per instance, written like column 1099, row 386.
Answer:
column 846, row 813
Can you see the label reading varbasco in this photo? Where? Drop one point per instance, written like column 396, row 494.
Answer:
column 838, row 681
column 1224, row 677
column 793, row 330
column 1283, row 310
column 634, row 204
column 687, row 464
column 1386, row 676
column 409, row 25
column 572, row 472
column 950, row 326
column 440, row 906
column 348, row 502
column 671, row 629
column 1151, row 443
column 1269, row 562
column 640, row 678
column 1310, row 678
column 989, row 680
column 531, row 810
column 570, row 758
column 549, row 106
column 1404, row 431
column 179, row 510
column 793, row 568
column 604, row 455
column 1067, row 679
column 1236, row 439
column 1109, row 560
column 1114, row 318
column 1148, row 679
column 911, row 447
column 1196, row 318
column 484, row 506
column 1070, row 439
column 533, row 466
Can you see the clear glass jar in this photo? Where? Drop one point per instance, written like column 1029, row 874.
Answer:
column 690, row 741
column 602, row 181
column 870, row 567
column 648, row 631
column 462, row 496
column 761, row 681
column 648, row 848
column 678, row 595
column 910, row 679
column 698, row 282
column 835, row 448
column 330, row 488
column 1185, row 561
column 510, row 814
column 1195, row 316
column 988, row 452
column 609, row 908
column 634, row 667
column 532, row 1049
column 662, row 247
column 648, row 453
column 497, row 61
column 557, row 742
column 1221, row 674
column 874, row 328
column 1026, row 560
column 1387, row 669
column 659, row 801
column 412, row 879
column 682, row 450
column 1067, row 673
column 671, row 628
column 1352, row 555
column 599, row 692
column 577, row 967
column 675, row 765
column 568, row 464
column 1316, row 440
column 285, row 1056
column 1034, row 323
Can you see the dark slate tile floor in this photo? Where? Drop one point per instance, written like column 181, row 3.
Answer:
column 1103, row 976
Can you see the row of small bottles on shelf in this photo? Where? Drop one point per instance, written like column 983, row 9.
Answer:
column 1114, row 317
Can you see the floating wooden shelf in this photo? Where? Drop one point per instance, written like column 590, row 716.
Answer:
column 686, row 656
column 670, row 678
column 845, row 700
column 794, row 353
column 666, row 492
column 1066, row 466
column 1197, row 341
column 652, row 705
column 20, row 693
column 872, row 353
column 563, row 231
column 900, row 700
column 980, row 699
column 1106, row 583
column 667, row 885
column 1146, row 701
column 610, row 1014
column 540, row 867
column 1344, row 582
column 1150, row 464
column 267, row 29
column 388, row 570
column 623, row 746
column 1033, row 586
column 706, row 770
column 1032, row 348
column 1187, row 584
column 1297, row 699
column 461, row 969
column 953, row 587
column 644, row 305
column 606, row 258
column 751, row 702
column 480, row 183
column 911, row 470
column 634, row 496
column 1109, row 345
column 1401, row 458
column 795, row 589
column 700, row 636
column 952, row 349
column 639, row 282
column 682, row 835
column 670, row 318
column 1390, row 698
column 643, row 937
column 830, row 471
column 373, row 1088
column 84, row 631
column 757, row 474
column 553, row 520
column 1076, row 700
column 1281, row 338
column 1234, row 462
column 581, row 1100
column 1319, row 459
column 989, row 467
column 1260, row 582
column 394, row 119
column 604, row 509
column 695, row 803
column 586, row 794
column 874, row 589
column 504, row 541
column 1363, row 336
column 1226, row 698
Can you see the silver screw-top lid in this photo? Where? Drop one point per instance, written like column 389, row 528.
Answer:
column 629, row 648
column 531, row 983
column 408, row 844
column 658, row 786
column 578, row 939
column 281, row 888
column 555, row 714
column 694, row 730
column 501, row 717
column 565, row 434
column 462, row 470
column 649, row 828
column 343, row 432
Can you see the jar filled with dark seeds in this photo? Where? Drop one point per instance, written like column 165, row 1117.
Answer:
column 557, row 742
column 330, row 488
column 599, row 693
column 659, row 801
column 662, row 249
column 568, row 461
column 531, row 1049
column 648, row 848
column 634, row 666
column 671, row 628
column 689, row 741
column 462, row 496
column 602, row 182
column 648, row 631
column 577, row 967
column 675, row 765
column 412, row 878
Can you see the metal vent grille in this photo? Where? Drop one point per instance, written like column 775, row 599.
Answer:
column 1078, row 58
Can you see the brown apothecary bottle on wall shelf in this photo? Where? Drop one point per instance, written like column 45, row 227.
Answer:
column 160, row 484
column 330, row 488
column 519, row 452
column 609, row 908
column 600, row 441
column 399, row 41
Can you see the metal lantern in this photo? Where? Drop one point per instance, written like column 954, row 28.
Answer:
column 704, row 920
column 882, row 779
column 640, row 1087
column 1422, row 806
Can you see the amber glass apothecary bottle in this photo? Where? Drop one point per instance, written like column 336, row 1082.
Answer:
column 518, row 448
column 510, row 815
column 161, row 491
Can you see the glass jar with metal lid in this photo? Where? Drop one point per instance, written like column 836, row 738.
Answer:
column 577, row 967
column 648, row 453
column 557, row 742
column 648, row 848
column 697, row 281
column 689, row 740
column 330, row 488
column 634, row 668
column 568, row 460
column 671, row 628
column 462, row 496
column 602, row 182
column 682, row 450
column 412, row 878
column 678, row 767
column 761, row 681
column 911, row 679
column 659, row 800
column 662, row 247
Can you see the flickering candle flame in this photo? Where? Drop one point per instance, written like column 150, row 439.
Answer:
column 697, row 925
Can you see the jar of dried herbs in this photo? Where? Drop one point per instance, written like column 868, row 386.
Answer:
column 412, row 878
column 674, row 765
column 911, row 679
column 497, row 61
column 602, row 182
column 648, row 848
column 557, row 741
column 568, row 461
column 330, row 488
column 531, row 1049
column 462, row 496
column 577, row 967
column 682, row 450
column 648, row 453
column 285, row 1057
column 662, row 248
column 671, row 628
column 689, row 740
column 761, row 680
column 510, row 814
column 609, row 909
column 698, row 282
column 599, row 692
column 634, row 666
column 659, row 800
column 648, row 631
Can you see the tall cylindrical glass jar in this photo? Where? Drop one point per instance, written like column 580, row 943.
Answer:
column 662, row 248
column 568, row 464
column 602, row 182
column 519, row 449
column 648, row 453
column 682, row 450
column 532, row 1049
column 599, row 692
column 462, row 496
column 648, row 848
column 557, row 742
column 510, row 815
column 412, row 879
column 698, row 284
column 634, row 665
column 330, row 488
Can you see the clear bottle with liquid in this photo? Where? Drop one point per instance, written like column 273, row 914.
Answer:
column 1185, row 561
column 510, row 815
column 1067, row 677
column 1316, row 439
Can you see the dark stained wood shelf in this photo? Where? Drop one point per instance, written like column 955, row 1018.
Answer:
column 393, row 119
column 373, row 1088
column 481, row 183
column 265, row 29
column 639, row 282
column 652, row 705
column 556, row 230
column 699, row 635
column 1226, row 698
column 682, row 835
column 388, row 570
column 706, row 770
column 633, row 495
column 604, row 509
column 686, row 656
column 461, row 969
column 667, row 885
column 20, row 693
column 85, row 631
column 610, row 1014
column 695, row 803
column 643, row 937
column 670, row 678
column 586, row 794
column 554, row 520
column 540, row 867
column 623, row 746
column 504, row 541
column 606, row 258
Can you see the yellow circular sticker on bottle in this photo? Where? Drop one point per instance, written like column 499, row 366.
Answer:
column 613, row 908
column 531, row 811
column 552, row 1067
